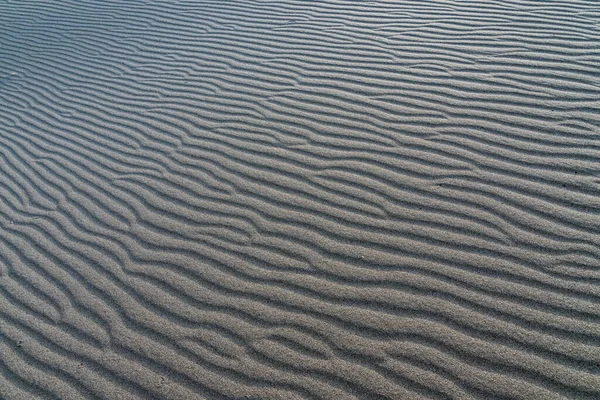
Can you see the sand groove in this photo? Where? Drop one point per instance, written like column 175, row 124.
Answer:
column 299, row 200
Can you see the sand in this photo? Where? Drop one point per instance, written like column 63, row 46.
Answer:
column 299, row 199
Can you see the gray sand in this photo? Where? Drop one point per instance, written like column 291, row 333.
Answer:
column 299, row 200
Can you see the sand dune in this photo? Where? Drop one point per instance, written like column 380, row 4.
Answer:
column 299, row 199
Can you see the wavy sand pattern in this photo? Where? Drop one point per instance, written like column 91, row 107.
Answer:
column 299, row 199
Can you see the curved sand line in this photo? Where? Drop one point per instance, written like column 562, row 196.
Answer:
column 299, row 200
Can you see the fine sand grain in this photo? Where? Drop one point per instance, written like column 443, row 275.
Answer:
column 299, row 199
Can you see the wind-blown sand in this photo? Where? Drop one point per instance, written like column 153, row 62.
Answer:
column 299, row 199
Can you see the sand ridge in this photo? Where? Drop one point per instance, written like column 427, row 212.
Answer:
column 299, row 200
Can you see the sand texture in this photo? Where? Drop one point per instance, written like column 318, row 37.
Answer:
column 299, row 199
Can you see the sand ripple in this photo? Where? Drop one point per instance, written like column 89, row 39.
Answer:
column 299, row 200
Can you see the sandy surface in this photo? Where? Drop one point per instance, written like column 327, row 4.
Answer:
column 299, row 199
